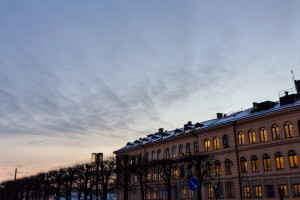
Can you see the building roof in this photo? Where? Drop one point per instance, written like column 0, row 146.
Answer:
column 258, row 109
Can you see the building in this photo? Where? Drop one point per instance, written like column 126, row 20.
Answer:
column 254, row 152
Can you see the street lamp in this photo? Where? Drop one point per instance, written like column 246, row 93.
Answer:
column 97, row 158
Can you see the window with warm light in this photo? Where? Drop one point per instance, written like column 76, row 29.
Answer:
column 254, row 162
column 288, row 128
column 258, row 192
column 241, row 138
column 244, row 167
column 251, row 135
column 246, row 191
column 275, row 132
column 211, row 191
column 293, row 159
column 296, row 188
column 279, row 160
column 283, row 190
column 218, row 167
column 175, row 173
column 267, row 162
column 206, row 145
column 216, row 143
column 263, row 135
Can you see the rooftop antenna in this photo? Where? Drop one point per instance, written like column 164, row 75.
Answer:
column 292, row 74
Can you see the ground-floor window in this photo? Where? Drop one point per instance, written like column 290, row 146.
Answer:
column 229, row 190
column 246, row 191
column 258, row 192
column 270, row 191
column 296, row 190
column 211, row 193
column 283, row 190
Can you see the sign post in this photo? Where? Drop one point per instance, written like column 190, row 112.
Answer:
column 194, row 185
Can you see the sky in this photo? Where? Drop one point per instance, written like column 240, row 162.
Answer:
column 78, row 77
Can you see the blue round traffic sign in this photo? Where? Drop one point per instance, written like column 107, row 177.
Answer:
column 194, row 184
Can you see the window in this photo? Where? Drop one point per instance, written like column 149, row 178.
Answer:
column 241, row 138
column 218, row 167
column 206, row 145
column 190, row 171
column 229, row 190
column 270, row 191
column 154, row 193
column 288, row 130
column 275, row 132
column 196, row 147
column 153, row 155
column 209, row 168
column 263, row 135
column 211, row 194
column 154, row 176
column 267, row 162
column 174, row 151
column 159, row 155
column 188, row 149
column 246, row 191
column 258, row 192
column 160, row 175
column 216, row 143
column 181, row 152
column 168, row 153
column 296, row 188
column 244, row 165
column 228, row 165
column 279, row 160
column 175, row 173
column 148, row 156
column 182, row 172
column 254, row 162
column 183, row 192
column 282, row 190
column 148, row 177
column 225, row 141
column 293, row 159
column 251, row 135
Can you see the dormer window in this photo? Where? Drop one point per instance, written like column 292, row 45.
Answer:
column 144, row 141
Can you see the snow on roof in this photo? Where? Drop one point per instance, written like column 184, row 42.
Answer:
column 239, row 115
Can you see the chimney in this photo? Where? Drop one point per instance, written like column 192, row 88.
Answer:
column 189, row 123
column 219, row 115
column 161, row 130
column 297, row 86
column 254, row 104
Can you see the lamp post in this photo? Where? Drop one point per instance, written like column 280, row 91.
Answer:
column 281, row 193
column 97, row 158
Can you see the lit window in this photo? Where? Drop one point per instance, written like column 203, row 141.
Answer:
column 154, row 193
column 188, row 149
column 209, row 168
column 160, row 175
column 225, row 141
column 228, row 165
column 174, row 151
column 244, row 167
column 207, row 145
column 275, row 132
column 279, row 160
column 293, row 159
column 296, row 188
column 153, row 155
column 183, row 192
column 246, row 191
column 181, row 152
column 241, row 139
column 263, row 135
column 283, row 190
column 159, row 155
column 218, row 167
column 216, row 143
column 211, row 191
column 148, row 178
column 288, row 130
column 175, row 173
column 154, row 176
column 258, row 192
column 254, row 162
column 267, row 162
column 167, row 153
column 251, row 135
column 196, row 147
